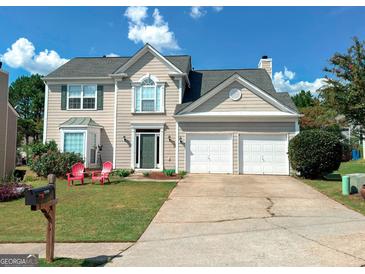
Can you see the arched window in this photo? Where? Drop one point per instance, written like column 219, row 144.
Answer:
column 148, row 96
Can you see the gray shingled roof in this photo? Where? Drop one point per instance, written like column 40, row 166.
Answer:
column 80, row 121
column 103, row 66
column 203, row 81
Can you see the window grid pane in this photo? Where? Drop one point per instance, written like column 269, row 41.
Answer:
column 88, row 103
column 74, row 103
column 74, row 142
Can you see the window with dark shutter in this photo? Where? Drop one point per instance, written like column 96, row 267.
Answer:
column 63, row 97
column 100, row 99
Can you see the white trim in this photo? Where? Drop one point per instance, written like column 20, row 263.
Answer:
column 297, row 128
column 240, row 114
column 133, row 143
column 180, row 91
column 81, row 97
column 115, row 123
column 140, row 53
column 6, row 137
column 245, row 83
column 158, row 166
column 156, row 85
column 177, row 144
column 45, row 116
column 76, row 78
column 152, row 125
column 84, row 132
column 161, row 164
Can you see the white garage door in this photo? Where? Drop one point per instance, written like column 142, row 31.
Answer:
column 209, row 153
column 264, row 154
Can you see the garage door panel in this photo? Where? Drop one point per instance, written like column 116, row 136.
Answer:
column 209, row 153
column 264, row 154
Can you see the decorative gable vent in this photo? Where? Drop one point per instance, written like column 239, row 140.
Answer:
column 235, row 94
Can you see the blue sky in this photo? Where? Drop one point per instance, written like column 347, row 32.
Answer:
column 300, row 39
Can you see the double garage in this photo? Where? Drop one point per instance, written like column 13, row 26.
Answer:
column 238, row 152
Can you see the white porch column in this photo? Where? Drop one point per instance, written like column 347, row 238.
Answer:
column 133, row 149
column 177, row 147
column 161, row 165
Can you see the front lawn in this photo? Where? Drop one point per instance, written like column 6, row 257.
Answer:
column 115, row 212
column 333, row 188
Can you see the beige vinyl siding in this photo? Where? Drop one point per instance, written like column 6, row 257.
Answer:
column 104, row 117
column 235, row 128
column 147, row 64
column 248, row 102
column 11, row 142
column 3, row 114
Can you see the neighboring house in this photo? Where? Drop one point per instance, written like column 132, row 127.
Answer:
column 8, row 128
column 154, row 112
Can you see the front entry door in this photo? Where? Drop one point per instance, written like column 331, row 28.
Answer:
column 148, row 151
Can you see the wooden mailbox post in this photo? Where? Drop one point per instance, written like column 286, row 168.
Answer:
column 44, row 199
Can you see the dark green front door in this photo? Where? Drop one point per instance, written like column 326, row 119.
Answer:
column 147, row 151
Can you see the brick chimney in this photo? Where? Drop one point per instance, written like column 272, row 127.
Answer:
column 266, row 63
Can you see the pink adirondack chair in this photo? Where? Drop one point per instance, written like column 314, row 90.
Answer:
column 102, row 175
column 76, row 174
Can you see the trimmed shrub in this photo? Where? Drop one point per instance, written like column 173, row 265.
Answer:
column 122, row 172
column 182, row 173
column 314, row 153
column 169, row 172
column 146, row 174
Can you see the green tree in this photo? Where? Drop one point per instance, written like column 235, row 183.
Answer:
column 345, row 89
column 304, row 99
column 26, row 94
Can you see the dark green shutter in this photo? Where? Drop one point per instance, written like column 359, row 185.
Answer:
column 100, row 102
column 63, row 97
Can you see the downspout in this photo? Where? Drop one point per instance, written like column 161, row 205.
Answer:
column 45, row 116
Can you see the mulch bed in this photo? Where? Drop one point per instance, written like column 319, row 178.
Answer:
column 156, row 176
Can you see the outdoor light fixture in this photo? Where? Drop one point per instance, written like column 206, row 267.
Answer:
column 124, row 138
column 169, row 137
column 181, row 140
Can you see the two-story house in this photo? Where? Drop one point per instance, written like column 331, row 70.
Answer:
column 154, row 112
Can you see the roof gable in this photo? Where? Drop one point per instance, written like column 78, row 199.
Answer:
column 141, row 53
column 267, row 96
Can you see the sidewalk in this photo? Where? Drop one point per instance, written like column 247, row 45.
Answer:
column 96, row 251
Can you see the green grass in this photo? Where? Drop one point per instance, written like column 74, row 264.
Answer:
column 333, row 190
column 68, row 262
column 115, row 212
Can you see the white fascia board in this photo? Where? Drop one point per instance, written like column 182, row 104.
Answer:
column 181, row 75
column 245, row 83
column 140, row 53
column 75, row 78
column 78, row 126
column 240, row 114
column 118, row 75
column 149, row 125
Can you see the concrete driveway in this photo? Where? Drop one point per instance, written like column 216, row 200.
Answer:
column 229, row 220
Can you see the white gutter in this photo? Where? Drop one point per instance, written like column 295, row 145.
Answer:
column 115, row 123
column 45, row 115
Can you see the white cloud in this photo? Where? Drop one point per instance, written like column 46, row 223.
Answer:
column 217, row 9
column 112, row 55
column 22, row 55
column 283, row 82
column 197, row 12
column 157, row 34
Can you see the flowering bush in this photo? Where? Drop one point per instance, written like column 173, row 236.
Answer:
column 12, row 191
column 47, row 159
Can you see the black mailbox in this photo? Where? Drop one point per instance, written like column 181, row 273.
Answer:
column 40, row 195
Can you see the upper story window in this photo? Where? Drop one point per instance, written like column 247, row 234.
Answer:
column 81, row 97
column 148, row 96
